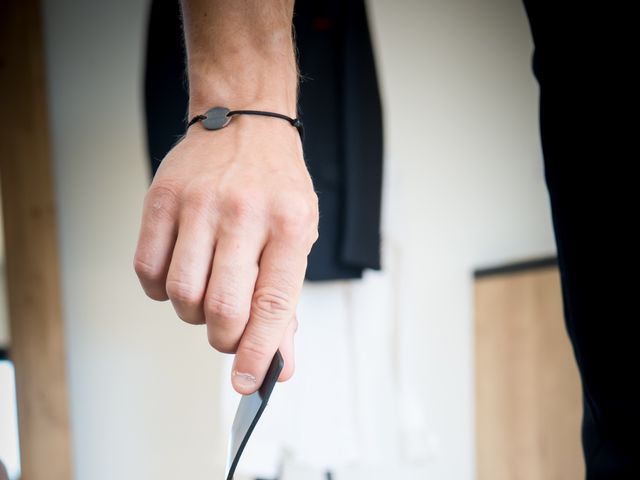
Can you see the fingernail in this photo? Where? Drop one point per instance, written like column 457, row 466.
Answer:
column 243, row 380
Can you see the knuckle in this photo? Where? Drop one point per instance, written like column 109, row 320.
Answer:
column 182, row 292
column 295, row 218
column 315, row 202
column 226, row 308
column 314, row 236
column 162, row 200
column 145, row 270
column 242, row 207
column 199, row 198
column 151, row 278
column 272, row 303
column 253, row 348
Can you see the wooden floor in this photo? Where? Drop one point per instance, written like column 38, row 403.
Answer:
column 528, row 402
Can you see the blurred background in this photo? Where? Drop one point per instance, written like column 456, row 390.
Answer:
column 450, row 362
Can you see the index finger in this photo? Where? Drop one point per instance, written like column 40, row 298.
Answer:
column 280, row 278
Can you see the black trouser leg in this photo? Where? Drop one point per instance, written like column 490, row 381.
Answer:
column 590, row 155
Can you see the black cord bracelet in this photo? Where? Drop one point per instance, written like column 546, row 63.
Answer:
column 219, row 117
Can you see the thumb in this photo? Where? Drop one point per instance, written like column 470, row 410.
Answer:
column 288, row 351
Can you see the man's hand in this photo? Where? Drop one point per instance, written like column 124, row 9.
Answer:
column 240, row 206
column 232, row 215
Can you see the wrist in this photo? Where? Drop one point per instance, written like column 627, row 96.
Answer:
column 252, row 130
column 245, row 82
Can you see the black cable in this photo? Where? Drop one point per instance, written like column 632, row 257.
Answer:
column 195, row 119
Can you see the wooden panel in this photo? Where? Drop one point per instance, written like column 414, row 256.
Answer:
column 37, row 346
column 528, row 401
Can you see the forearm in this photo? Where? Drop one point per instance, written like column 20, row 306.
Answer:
column 240, row 54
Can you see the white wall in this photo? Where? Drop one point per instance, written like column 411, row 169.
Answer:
column 466, row 177
column 464, row 188
column 142, row 384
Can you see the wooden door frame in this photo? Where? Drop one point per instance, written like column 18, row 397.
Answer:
column 31, row 246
